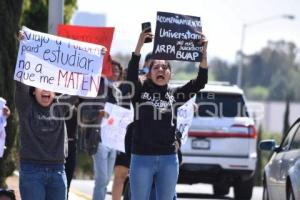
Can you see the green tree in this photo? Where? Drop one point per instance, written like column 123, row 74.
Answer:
column 35, row 13
column 223, row 71
column 275, row 67
column 10, row 12
column 257, row 93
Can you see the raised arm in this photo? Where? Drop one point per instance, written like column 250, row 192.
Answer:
column 133, row 66
column 199, row 82
column 22, row 96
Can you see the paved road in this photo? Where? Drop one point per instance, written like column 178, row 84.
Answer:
column 84, row 188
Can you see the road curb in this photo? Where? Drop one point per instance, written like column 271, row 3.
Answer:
column 80, row 194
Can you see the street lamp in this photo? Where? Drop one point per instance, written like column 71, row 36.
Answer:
column 55, row 15
column 244, row 28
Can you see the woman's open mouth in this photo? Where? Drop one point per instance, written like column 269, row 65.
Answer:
column 160, row 77
column 45, row 97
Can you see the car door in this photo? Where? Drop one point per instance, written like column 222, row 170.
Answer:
column 275, row 182
column 288, row 161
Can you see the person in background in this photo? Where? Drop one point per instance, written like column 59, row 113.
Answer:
column 5, row 113
column 154, row 145
column 122, row 159
column 117, row 72
column 70, row 163
column 146, row 66
column 92, row 113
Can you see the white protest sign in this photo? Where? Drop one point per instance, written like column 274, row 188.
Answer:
column 59, row 64
column 113, row 129
column 2, row 142
column 2, row 126
column 185, row 115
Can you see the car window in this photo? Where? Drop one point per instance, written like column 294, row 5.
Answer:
column 287, row 140
column 296, row 140
column 211, row 104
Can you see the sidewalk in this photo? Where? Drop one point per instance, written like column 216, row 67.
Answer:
column 13, row 183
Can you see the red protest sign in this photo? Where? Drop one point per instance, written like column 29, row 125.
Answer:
column 96, row 35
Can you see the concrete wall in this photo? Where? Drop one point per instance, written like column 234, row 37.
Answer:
column 271, row 114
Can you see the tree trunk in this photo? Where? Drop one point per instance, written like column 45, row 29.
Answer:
column 10, row 12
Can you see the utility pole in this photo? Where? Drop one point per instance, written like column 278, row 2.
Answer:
column 55, row 15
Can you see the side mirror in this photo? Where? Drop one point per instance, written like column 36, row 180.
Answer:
column 268, row 145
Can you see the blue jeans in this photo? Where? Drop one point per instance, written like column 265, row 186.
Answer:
column 39, row 182
column 104, row 161
column 153, row 194
column 162, row 170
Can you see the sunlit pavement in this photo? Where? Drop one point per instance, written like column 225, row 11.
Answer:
column 83, row 189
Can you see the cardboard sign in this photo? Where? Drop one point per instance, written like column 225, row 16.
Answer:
column 177, row 37
column 113, row 129
column 95, row 35
column 185, row 115
column 58, row 64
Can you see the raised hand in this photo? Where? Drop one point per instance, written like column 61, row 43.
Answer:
column 141, row 40
column 204, row 43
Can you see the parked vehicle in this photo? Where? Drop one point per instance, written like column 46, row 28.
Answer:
column 221, row 144
column 281, row 180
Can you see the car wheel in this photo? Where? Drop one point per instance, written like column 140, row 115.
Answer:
column 220, row 190
column 290, row 194
column 265, row 192
column 243, row 189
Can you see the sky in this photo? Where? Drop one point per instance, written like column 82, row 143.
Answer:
column 222, row 22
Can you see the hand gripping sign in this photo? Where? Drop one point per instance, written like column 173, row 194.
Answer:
column 2, row 126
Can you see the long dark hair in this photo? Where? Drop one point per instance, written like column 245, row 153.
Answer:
column 113, row 62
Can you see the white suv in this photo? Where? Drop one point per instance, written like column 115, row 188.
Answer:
column 221, row 144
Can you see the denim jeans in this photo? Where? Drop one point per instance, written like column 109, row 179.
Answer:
column 39, row 182
column 162, row 170
column 153, row 194
column 104, row 161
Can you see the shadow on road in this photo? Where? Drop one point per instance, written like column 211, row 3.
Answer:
column 200, row 196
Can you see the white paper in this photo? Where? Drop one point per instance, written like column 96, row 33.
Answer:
column 2, row 103
column 113, row 129
column 2, row 127
column 2, row 142
column 185, row 115
column 59, row 64
column 2, row 118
